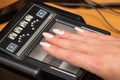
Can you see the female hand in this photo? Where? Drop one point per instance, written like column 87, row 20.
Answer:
column 95, row 52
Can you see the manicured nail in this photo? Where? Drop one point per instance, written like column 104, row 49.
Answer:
column 58, row 31
column 48, row 35
column 45, row 44
column 79, row 29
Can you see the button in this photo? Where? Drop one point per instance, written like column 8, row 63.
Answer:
column 12, row 47
column 23, row 24
column 28, row 18
column 41, row 13
column 12, row 35
column 18, row 29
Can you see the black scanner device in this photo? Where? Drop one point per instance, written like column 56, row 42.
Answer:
column 21, row 53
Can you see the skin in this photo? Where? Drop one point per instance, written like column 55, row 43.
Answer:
column 95, row 52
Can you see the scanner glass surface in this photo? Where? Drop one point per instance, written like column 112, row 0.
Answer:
column 39, row 54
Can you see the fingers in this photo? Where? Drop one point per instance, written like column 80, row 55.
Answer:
column 60, row 42
column 69, row 44
column 74, row 42
column 87, row 36
column 85, row 33
column 75, row 37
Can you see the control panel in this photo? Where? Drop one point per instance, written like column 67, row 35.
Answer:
column 25, row 30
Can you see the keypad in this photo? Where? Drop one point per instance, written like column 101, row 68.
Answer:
column 12, row 35
column 18, row 29
column 41, row 13
column 12, row 47
column 23, row 23
column 28, row 18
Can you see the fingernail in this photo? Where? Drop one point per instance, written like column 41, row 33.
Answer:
column 58, row 31
column 48, row 35
column 78, row 29
column 45, row 44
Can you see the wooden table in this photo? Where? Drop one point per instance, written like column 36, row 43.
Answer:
column 90, row 15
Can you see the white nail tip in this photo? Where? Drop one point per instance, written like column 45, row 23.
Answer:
column 79, row 29
column 45, row 44
column 58, row 31
column 48, row 35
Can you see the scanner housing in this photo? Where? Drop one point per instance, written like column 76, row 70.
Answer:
column 21, row 53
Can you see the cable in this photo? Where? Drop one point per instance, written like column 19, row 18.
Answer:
column 104, row 6
column 89, row 5
column 111, row 26
column 114, row 11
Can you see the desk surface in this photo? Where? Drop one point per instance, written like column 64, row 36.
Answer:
column 90, row 15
